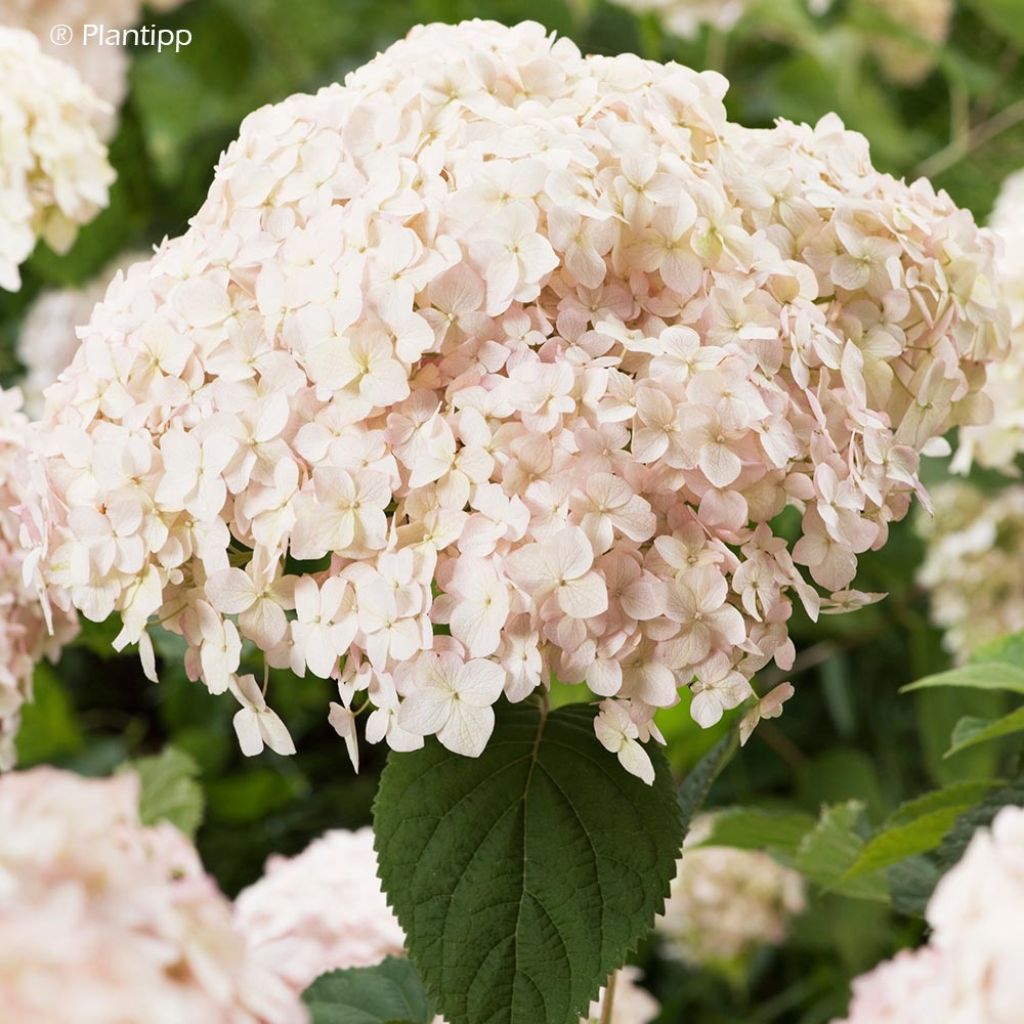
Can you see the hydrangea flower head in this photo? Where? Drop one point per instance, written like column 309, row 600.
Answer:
column 724, row 903
column 998, row 442
column 531, row 346
column 969, row 971
column 320, row 911
column 972, row 564
column 25, row 635
column 102, row 919
column 54, row 173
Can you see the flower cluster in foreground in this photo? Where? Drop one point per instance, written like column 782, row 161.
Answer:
column 103, row 920
column 54, row 173
column 526, row 345
column 972, row 567
column 48, row 338
column 324, row 910
column 996, row 443
column 25, row 635
column 725, row 903
column 969, row 971
column 103, row 68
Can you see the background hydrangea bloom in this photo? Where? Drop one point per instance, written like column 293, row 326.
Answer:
column 104, row 920
column 996, row 443
column 685, row 17
column 725, row 903
column 103, row 68
column 525, row 344
column 972, row 566
column 970, row 969
column 25, row 636
column 904, row 61
column 320, row 911
column 54, row 173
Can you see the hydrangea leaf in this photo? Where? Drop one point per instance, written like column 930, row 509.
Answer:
column 979, row 816
column 970, row 730
column 696, row 786
column 985, row 675
column 754, row 828
column 170, row 791
column 916, row 827
column 389, row 993
column 523, row 878
column 831, row 848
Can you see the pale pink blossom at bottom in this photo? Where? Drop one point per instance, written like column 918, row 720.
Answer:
column 969, row 972
column 103, row 920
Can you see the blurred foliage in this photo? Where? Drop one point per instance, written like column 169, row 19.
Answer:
column 827, row 786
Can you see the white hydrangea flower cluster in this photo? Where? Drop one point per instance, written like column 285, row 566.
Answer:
column 725, row 903
column 969, row 972
column 54, row 174
column 997, row 443
column 972, row 564
column 103, row 68
column 324, row 910
column 684, row 18
column 530, row 346
column 48, row 337
column 25, row 636
column 104, row 920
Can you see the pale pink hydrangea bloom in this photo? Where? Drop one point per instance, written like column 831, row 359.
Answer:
column 48, row 338
column 319, row 911
column 997, row 443
column 525, row 344
column 972, row 568
column 724, row 902
column 684, row 18
column 969, row 972
column 25, row 636
column 104, row 920
column 54, row 174
column 324, row 910
column 103, row 68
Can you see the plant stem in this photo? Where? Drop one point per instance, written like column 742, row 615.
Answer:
column 1007, row 118
column 608, row 1002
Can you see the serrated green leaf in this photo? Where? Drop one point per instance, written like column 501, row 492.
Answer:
column 970, row 731
column 389, row 993
column 831, row 848
column 170, row 791
column 984, row 675
column 979, row 816
column 916, row 827
column 911, row 883
column 1008, row 648
column 752, row 828
column 524, row 877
